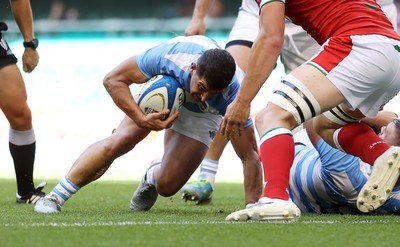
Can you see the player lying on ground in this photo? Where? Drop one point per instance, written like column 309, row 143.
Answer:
column 326, row 180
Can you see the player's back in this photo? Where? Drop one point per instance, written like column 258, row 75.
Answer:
column 326, row 18
column 328, row 180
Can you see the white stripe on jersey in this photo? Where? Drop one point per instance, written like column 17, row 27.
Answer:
column 300, row 194
column 318, row 184
column 182, row 60
column 344, row 184
column 331, row 187
column 196, row 39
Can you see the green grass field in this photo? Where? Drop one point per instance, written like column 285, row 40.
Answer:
column 98, row 215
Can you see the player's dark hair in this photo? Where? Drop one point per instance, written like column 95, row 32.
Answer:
column 217, row 66
column 397, row 123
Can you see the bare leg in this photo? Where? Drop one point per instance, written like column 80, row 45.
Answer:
column 92, row 164
column 22, row 140
column 98, row 157
column 181, row 158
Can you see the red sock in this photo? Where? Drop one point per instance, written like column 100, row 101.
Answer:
column 277, row 154
column 360, row 140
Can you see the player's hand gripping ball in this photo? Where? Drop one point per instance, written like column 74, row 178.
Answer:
column 159, row 93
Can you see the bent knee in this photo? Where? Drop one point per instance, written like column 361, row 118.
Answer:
column 168, row 187
column 274, row 116
column 20, row 120
column 118, row 144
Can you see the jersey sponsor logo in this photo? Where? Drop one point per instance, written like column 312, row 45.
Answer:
column 212, row 134
column 203, row 106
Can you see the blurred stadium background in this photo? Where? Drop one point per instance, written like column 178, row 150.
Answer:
column 121, row 17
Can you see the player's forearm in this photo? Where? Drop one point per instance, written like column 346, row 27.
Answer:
column 382, row 119
column 264, row 52
column 262, row 60
column 201, row 8
column 122, row 97
column 22, row 12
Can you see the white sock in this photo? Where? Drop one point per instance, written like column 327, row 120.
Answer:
column 64, row 190
column 149, row 174
column 209, row 169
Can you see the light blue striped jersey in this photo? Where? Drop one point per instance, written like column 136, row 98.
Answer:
column 326, row 180
column 174, row 58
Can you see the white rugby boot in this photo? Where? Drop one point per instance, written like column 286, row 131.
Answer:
column 385, row 173
column 48, row 204
column 268, row 209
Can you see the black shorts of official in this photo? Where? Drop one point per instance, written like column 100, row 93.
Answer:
column 6, row 55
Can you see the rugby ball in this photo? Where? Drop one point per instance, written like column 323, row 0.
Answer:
column 159, row 93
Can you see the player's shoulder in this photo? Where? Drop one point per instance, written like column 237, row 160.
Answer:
column 195, row 40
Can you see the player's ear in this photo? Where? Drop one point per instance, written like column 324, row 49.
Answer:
column 193, row 67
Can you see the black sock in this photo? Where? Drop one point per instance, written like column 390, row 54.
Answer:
column 23, row 157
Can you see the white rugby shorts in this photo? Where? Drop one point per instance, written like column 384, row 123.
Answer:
column 365, row 69
column 298, row 45
column 200, row 126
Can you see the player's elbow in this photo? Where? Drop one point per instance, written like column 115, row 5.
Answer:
column 271, row 38
column 275, row 42
column 107, row 82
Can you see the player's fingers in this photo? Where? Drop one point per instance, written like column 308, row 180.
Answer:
column 239, row 130
column 171, row 119
column 235, row 130
column 25, row 68
column 160, row 115
column 222, row 127
column 228, row 131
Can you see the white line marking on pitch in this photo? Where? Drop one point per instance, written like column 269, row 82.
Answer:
column 133, row 223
